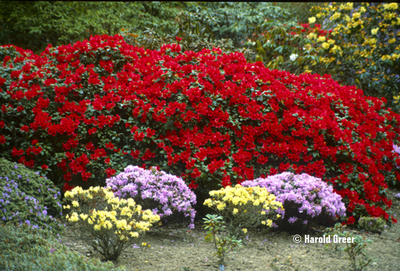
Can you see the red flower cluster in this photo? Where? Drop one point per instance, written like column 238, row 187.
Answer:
column 207, row 116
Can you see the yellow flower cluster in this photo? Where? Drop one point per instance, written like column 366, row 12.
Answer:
column 99, row 208
column 244, row 206
column 393, row 6
column 325, row 45
column 335, row 16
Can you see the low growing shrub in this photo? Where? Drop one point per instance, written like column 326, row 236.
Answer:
column 306, row 200
column 23, row 248
column 27, row 197
column 245, row 207
column 164, row 193
column 372, row 224
column 106, row 223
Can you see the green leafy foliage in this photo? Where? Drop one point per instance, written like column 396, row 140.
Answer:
column 234, row 20
column 299, row 11
column 24, row 249
column 372, row 224
column 35, row 24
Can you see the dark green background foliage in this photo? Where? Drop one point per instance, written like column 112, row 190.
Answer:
column 35, row 24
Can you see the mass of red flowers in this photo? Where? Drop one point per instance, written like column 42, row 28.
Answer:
column 83, row 112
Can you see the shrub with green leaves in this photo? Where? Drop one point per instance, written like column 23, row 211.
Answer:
column 35, row 24
column 289, row 46
column 364, row 47
column 26, row 249
column 245, row 207
column 372, row 224
column 106, row 223
column 27, row 197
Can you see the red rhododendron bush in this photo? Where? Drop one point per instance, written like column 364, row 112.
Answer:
column 83, row 112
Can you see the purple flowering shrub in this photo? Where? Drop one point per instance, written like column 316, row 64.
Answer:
column 164, row 193
column 17, row 207
column 307, row 201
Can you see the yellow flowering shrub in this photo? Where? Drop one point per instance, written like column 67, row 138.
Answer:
column 244, row 207
column 366, row 32
column 105, row 222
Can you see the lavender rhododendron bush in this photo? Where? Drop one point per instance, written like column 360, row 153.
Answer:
column 165, row 192
column 85, row 111
column 306, row 200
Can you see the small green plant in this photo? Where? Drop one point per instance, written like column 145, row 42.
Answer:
column 26, row 248
column 372, row 224
column 106, row 223
column 355, row 248
column 223, row 243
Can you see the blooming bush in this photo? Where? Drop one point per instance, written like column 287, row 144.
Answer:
column 305, row 199
column 82, row 112
column 364, row 46
column 245, row 207
column 163, row 192
column 351, row 42
column 106, row 223
column 26, row 197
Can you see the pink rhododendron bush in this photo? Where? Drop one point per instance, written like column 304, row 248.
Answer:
column 81, row 113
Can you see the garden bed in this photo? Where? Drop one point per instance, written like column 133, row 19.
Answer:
column 174, row 247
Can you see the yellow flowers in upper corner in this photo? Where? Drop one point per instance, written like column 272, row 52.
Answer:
column 244, row 230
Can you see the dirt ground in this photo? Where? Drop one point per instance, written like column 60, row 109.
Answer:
column 177, row 248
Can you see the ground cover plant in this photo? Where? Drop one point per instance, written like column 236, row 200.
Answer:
column 163, row 193
column 213, row 119
column 25, row 248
